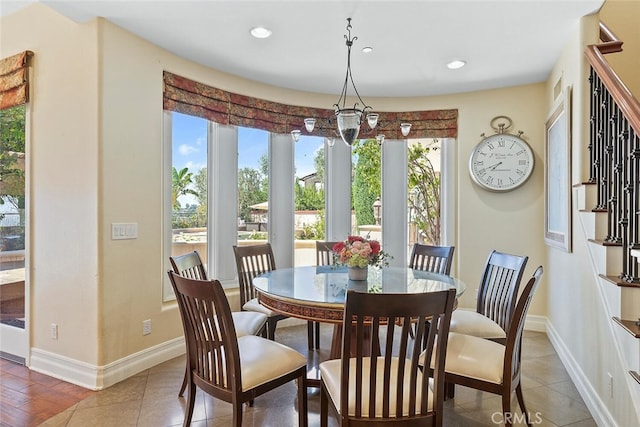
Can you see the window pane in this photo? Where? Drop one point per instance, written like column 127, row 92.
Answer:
column 189, row 185
column 424, row 191
column 366, row 188
column 253, row 186
column 309, row 198
column 12, row 216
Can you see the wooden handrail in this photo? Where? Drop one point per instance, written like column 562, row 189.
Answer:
column 622, row 96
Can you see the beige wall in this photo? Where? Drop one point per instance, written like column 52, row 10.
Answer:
column 102, row 289
column 621, row 16
column 62, row 183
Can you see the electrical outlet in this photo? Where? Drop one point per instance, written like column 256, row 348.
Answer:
column 54, row 331
column 146, row 327
column 610, row 384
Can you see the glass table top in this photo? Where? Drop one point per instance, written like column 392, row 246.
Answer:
column 328, row 285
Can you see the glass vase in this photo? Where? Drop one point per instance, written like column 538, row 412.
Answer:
column 358, row 273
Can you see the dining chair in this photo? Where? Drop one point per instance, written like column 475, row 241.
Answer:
column 251, row 261
column 436, row 259
column 489, row 366
column 378, row 380
column 496, row 298
column 231, row 368
column 324, row 256
column 246, row 322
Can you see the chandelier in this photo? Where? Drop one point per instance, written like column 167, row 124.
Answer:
column 349, row 119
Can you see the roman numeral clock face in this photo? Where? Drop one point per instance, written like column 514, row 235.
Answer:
column 501, row 162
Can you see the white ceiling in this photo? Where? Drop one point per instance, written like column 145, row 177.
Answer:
column 505, row 42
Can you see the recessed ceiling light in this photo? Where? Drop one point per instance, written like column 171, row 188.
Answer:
column 458, row 63
column 260, row 32
column 367, row 49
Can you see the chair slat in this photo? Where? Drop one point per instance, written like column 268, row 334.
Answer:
column 436, row 259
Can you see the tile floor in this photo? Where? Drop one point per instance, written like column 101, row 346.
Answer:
column 150, row 398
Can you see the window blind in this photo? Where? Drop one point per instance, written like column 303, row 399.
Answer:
column 14, row 80
column 186, row 96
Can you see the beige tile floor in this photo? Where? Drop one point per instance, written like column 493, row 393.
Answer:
column 150, row 398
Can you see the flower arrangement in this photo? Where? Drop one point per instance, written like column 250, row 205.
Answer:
column 359, row 252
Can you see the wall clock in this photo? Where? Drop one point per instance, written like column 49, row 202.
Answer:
column 501, row 162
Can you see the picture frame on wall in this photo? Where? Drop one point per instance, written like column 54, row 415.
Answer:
column 557, row 188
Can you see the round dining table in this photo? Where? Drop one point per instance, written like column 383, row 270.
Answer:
column 318, row 293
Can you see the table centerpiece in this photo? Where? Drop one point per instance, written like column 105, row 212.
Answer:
column 358, row 253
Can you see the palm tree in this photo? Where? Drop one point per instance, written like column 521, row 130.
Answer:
column 181, row 180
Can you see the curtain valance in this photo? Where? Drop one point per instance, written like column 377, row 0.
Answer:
column 14, row 80
column 186, row 96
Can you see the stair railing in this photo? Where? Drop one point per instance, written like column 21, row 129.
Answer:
column 614, row 152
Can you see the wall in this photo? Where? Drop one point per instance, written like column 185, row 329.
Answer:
column 616, row 14
column 114, row 135
column 63, row 182
column 575, row 304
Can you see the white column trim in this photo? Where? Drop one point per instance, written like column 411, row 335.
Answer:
column 222, row 183
column 394, row 201
column 338, row 181
column 281, row 222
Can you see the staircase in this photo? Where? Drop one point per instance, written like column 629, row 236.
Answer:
column 609, row 202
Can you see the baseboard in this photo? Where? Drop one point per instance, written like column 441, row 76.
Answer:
column 100, row 377
column 596, row 406
column 535, row 323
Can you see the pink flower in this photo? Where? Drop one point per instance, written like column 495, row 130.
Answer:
column 352, row 239
column 357, row 251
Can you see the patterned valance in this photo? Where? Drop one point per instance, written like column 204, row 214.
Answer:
column 186, row 96
column 14, row 80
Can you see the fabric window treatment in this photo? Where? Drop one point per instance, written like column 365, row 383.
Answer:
column 14, row 80
column 186, row 96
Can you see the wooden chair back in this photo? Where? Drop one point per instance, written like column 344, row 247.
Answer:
column 498, row 291
column 324, row 253
column 189, row 265
column 512, row 356
column 250, row 262
column 399, row 392
column 212, row 344
column 436, row 259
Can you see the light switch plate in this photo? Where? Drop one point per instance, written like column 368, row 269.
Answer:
column 124, row 230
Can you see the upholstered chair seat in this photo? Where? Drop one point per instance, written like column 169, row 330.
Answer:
column 476, row 324
column 330, row 371
column 262, row 360
column 255, row 306
column 248, row 323
column 473, row 357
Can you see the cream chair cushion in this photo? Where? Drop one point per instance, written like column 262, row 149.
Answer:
column 473, row 323
column 248, row 322
column 254, row 305
column 262, row 360
column 330, row 373
column 473, row 357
